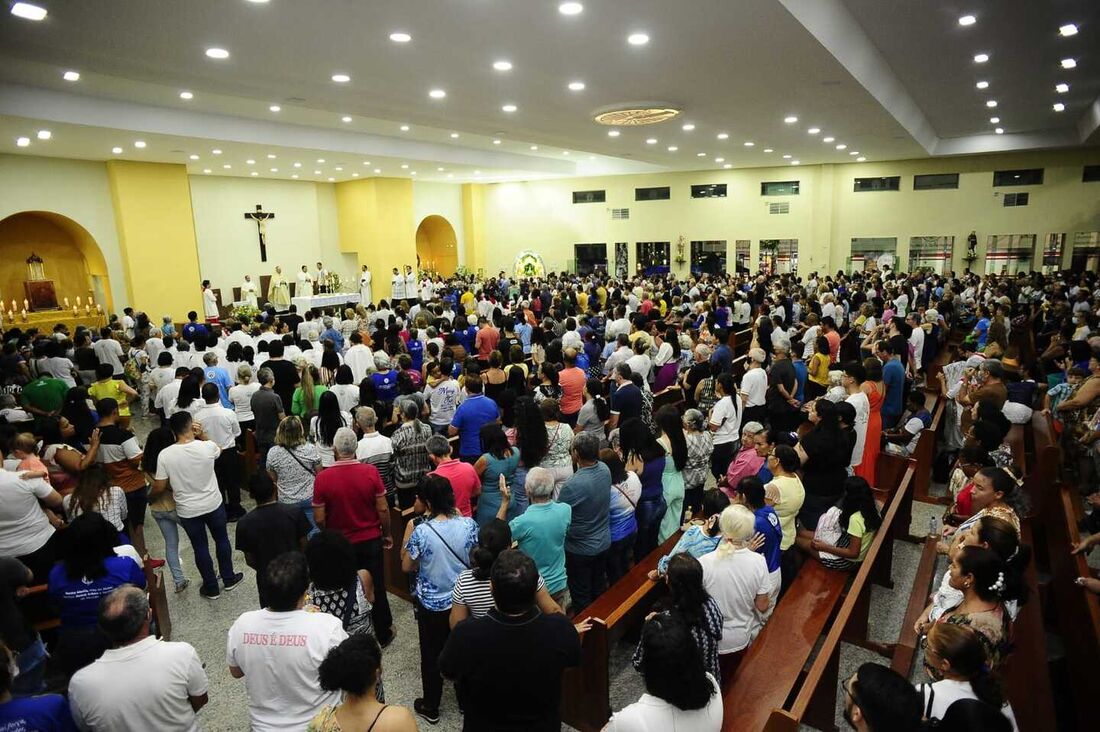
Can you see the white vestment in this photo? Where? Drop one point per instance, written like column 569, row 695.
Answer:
column 250, row 293
column 305, row 285
column 366, row 294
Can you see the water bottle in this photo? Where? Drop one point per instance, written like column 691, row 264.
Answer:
column 933, row 528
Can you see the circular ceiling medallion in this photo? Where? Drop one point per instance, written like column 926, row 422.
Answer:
column 636, row 117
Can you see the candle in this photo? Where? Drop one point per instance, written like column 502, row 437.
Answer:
column 26, row 305
column 66, row 303
column 24, row 314
column 99, row 308
column 75, row 311
column 14, row 307
column 78, row 300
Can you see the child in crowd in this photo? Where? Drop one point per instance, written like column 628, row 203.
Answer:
column 24, row 448
column 108, row 387
column 844, row 534
column 702, row 538
column 1060, row 392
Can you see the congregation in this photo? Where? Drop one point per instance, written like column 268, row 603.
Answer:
column 543, row 436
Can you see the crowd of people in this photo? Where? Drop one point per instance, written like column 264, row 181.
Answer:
column 548, row 434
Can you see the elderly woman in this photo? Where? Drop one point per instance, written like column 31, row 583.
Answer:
column 539, row 532
column 747, row 461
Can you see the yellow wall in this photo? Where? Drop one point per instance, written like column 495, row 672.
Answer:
column 474, row 226
column 156, row 233
column 824, row 217
column 63, row 260
column 375, row 220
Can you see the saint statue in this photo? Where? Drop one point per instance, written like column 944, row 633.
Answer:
column 249, row 292
column 280, row 290
column 366, row 296
column 305, row 283
column 209, row 301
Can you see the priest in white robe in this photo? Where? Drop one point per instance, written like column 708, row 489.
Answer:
column 411, row 285
column 209, row 301
column 250, row 293
column 305, row 283
column 398, row 286
column 366, row 293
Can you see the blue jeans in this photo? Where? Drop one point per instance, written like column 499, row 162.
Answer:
column 196, row 527
column 169, row 527
column 307, row 508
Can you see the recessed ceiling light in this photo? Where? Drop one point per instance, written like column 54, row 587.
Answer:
column 253, row 173
column 71, row 76
column 967, row 20
column 44, row 134
column 981, row 58
column 331, row 180
column 723, row 136
column 215, row 151
column 192, row 156
column 271, row 156
column 790, row 120
column 534, row 147
column 688, row 127
column 994, row 120
column 651, row 141
column 26, row 11
column 749, row 144
column 860, row 159
column 502, row 65
column 439, row 170
column 700, row 155
column 218, row 53
column 275, row 108
column 1069, row 63
column 796, row 162
column 564, row 152
column 295, row 176
column 842, row 146
column 853, row 153
column 999, row 130
column 339, row 168
column 341, row 78
column 377, row 171
column 813, row 130
column 139, row 144
column 613, row 133
column 404, row 166
column 576, row 86
column 186, row 95
column 982, row 85
column 509, row 108
column 637, row 39
column 992, row 104
column 1061, row 88
column 454, row 135
column 496, row 142
column 321, row 160
column 404, row 128
column 345, row 119
column 727, row 166
column 719, row 160
column 297, row 165
column 570, row 8
column 786, row 157
column 23, row 141
column 400, row 37
column 768, row 150
column 316, row 172
column 354, row 175
column 227, row 166
column 207, row 171
column 274, row 170
column 1069, row 29
column 437, row 94
column 672, row 148
column 1058, row 107
column 250, row 161
column 828, row 139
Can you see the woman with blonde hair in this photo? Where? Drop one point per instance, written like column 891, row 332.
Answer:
column 292, row 464
column 736, row 576
column 240, row 395
column 349, row 324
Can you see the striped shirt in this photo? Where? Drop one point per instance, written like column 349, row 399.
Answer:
column 119, row 453
column 410, row 452
column 376, row 449
column 476, row 594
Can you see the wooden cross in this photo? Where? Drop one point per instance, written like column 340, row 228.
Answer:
column 261, row 218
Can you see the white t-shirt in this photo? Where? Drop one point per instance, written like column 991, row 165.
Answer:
column 241, row 396
column 755, row 386
column 189, row 468
column 361, row 362
column 108, row 350
column 166, row 397
column 58, row 367
column 23, row 526
column 917, row 341
column 143, row 686
column 653, row 714
column 347, row 395
column 279, row 654
column 808, row 339
column 734, row 580
column 863, row 413
column 727, row 415
column 220, row 424
column 948, row 691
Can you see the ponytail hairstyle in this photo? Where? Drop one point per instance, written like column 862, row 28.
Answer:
column 993, row 579
column 696, row 420
column 859, row 499
column 962, row 649
column 1006, row 483
column 596, row 390
column 669, row 421
column 494, row 537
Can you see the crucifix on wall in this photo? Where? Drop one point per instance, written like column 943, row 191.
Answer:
column 261, row 218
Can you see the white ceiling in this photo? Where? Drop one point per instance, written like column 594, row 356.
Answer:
column 891, row 80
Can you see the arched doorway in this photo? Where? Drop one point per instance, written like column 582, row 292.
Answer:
column 70, row 257
column 437, row 246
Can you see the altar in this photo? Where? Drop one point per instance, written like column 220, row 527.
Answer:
column 330, row 300
column 45, row 321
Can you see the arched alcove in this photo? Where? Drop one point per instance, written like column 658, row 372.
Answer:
column 437, row 245
column 71, row 257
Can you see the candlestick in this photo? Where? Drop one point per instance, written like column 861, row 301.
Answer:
column 87, row 309
column 99, row 308
column 14, row 307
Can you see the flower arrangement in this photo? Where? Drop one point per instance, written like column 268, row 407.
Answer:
column 335, row 283
column 241, row 312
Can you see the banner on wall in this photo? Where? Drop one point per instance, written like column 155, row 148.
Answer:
column 529, row 264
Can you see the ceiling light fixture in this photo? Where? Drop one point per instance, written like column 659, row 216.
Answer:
column 992, row 104
column 502, row 65
column 723, row 136
column 295, row 176
column 341, row 78
column 227, row 166
column 186, row 95
column 688, row 127
column 534, row 147
column 115, row 150
column 749, row 143
column 404, row 128
column 700, row 155
column 994, row 120
column 217, row 53
column 1069, row 29
column 496, row 142
column 316, row 172
column 215, row 151
column 613, row 133
column 400, row 37
column 790, row 120
column 454, row 135
column 564, row 152
column 354, row 175
column 477, row 172
column 437, row 94
column 377, row 171
column 828, row 139
column 813, row 130
column 727, row 166
column 274, row 170
column 71, row 76
column 297, row 165
column 404, row 166
column 719, row 160
column 271, row 156
column 44, row 134
column 576, row 86
column 570, row 8
column 999, row 130
column 1069, row 63
column 23, row 141
column 860, row 159
column 321, row 160
column 786, row 157
column 345, row 119
column 981, row 58
column 967, row 20
column 413, row 173
column 796, row 162
column 842, row 146
column 853, row 153
column 250, row 161
column 333, row 180
column 192, row 156
column 439, row 170
column 768, row 150
column 651, row 141
column 672, row 148
column 207, row 171
column 26, row 11
column 1058, row 107
column 509, row 108
column 1061, row 88
column 637, row 39
column 275, row 108
column 339, row 168
column 982, row 85
column 139, row 144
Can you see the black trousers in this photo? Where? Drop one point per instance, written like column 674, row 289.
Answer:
column 227, row 469
column 722, row 456
column 587, row 577
column 369, row 556
column 433, row 628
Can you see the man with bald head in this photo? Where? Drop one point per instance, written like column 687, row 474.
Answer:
column 140, row 683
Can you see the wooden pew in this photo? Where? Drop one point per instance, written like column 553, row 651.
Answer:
column 739, row 341
column 737, row 368
column 772, row 672
column 1042, row 486
column 397, row 582
column 925, row 453
column 673, row 395
column 586, row 703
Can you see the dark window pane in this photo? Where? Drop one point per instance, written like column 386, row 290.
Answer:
column 1091, row 174
column 935, row 181
column 714, row 190
column 1025, row 177
column 779, row 188
column 651, row 194
column 885, row 183
column 589, row 196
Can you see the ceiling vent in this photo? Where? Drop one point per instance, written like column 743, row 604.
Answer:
column 779, row 208
column 620, row 214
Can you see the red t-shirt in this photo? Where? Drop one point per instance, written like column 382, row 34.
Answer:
column 572, row 383
column 348, row 491
column 487, row 339
column 834, row 345
column 464, row 480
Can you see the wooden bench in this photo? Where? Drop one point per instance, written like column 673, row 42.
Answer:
column 737, row 368
column 770, row 690
column 673, row 395
column 586, row 701
column 740, row 341
column 891, row 468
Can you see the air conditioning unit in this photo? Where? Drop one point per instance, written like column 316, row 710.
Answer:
column 619, row 214
column 779, row 208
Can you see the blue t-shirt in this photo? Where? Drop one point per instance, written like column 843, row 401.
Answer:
column 439, row 566
column 588, row 491
column 722, row 358
column 524, row 332
column 79, row 598
column 385, row 385
column 767, row 523
column 764, row 474
column 540, row 534
column 982, row 326
column 416, row 353
column 218, row 375
column 800, row 374
column 467, row 338
column 46, row 713
column 893, row 376
column 335, row 336
column 473, row 414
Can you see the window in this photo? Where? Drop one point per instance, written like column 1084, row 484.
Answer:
column 1086, row 251
column 930, row 253
column 714, row 190
column 589, row 196
column 660, row 193
column 590, row 258
column 1016, row 199
column 779, row 188
column 653, row 257
column 873, row 253
column 1052, row 253
column 1026, row 177
column 1009, row 253
column 885, row 183
column 935, row 181
column 1091, row 174
column 708, row 257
